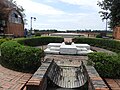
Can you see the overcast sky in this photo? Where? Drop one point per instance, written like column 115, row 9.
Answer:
column 63, row 14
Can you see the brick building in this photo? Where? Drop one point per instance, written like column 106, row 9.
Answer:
column 11, row 21
column 116, row 32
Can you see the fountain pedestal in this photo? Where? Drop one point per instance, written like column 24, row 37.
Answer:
column 73, row 49
column 68, row 49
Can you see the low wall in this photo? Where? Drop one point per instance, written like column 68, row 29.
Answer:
column 39, row 79
column 95, row 82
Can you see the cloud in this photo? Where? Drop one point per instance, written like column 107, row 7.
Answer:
column 50, row 17
column 74, row 17
column 79, row 2
column 84, row 3
column 38, row 8
column 71, row 22
column 49, row 1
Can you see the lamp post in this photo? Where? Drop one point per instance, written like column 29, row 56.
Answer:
column 106, row 17
column 32, row 18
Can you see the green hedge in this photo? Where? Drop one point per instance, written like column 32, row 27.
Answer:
column 37, row 41
column 108, row 66
column 99, row 36
column 18, row 57
column 103, row 43
column 2, row 40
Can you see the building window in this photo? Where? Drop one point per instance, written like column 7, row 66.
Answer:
column 2, row 23
column 15, row 17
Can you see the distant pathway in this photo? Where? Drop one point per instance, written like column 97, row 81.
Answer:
column 102, row 50
column 12, row 80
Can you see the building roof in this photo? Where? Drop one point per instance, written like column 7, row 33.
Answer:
column 4, row 13
column 5, row 9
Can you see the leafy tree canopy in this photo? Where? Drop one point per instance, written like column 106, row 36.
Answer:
column 111, row 11
column 12, row 4
column 18, row 7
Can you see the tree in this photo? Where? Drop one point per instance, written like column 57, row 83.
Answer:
column 12, row 4
column 111, row 11
column 2, row 4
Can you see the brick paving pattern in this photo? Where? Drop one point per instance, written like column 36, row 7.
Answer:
column 94, row 80
column 12, row 80
column 114, row 84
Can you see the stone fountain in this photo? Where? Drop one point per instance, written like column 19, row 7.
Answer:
column 72, row 49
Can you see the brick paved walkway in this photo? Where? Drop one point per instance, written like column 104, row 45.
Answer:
column 114, row 84
column 12, row 80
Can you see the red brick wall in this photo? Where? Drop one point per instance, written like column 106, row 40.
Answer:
column 15, row 29
column 116, row 33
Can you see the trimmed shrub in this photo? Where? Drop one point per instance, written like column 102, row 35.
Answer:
column 37, row 41
column 106, row 65
column 21, row 58
column 2, row 40
column 103, row 43
column 37, row 34
column 99, row 36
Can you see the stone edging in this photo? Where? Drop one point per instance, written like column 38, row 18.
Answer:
column 38, row 80
column 95, row 82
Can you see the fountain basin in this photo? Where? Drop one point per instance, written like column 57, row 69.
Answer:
column 73, row 49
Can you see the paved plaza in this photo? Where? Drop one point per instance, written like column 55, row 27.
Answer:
column 12, row 80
